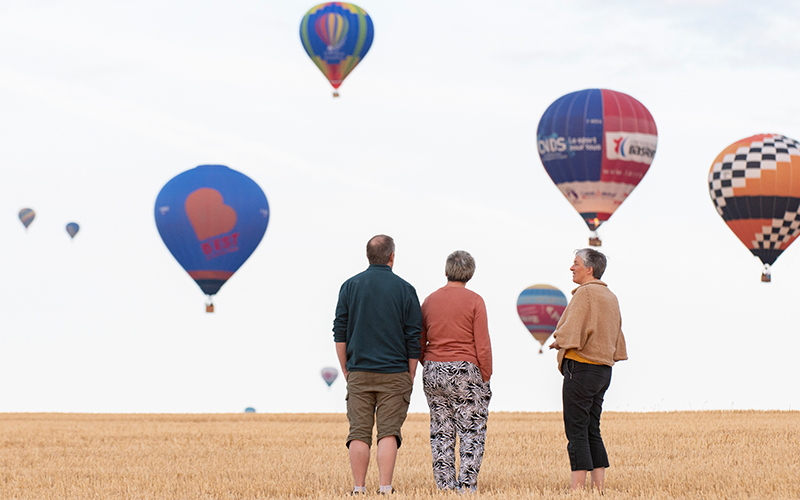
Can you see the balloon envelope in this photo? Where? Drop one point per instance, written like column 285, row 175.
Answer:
column 329, row 375
column 249, row 410
column 755, row 186
column 596, row 146
column 26, row 215
column 72, row 229
column 336, row 36
column 211, row 219
column 540, row 307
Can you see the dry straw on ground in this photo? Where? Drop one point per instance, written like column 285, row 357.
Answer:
column 251, row 456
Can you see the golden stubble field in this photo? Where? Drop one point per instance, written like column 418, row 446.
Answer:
column 710, row 454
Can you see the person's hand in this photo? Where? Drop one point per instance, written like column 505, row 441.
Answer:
column 345, row 373
column 555, row 345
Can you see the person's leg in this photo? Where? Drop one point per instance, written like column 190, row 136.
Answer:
column 596, row 447
column 577, row 480
column 391, row 408
column 359, row 461
column 599, row 478
column 471, row 415
column 387, row 455
column 361, row 415
column 436, row 383
column 577, row 403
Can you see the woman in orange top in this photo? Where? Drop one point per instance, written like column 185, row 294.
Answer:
column 457, row 365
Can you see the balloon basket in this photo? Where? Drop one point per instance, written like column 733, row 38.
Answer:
column 594, row 241
column 335, row 94
column 766, row 274
column 540, row 350
column 209, row 306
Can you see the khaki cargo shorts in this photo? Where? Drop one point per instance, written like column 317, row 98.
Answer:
column 377, row 396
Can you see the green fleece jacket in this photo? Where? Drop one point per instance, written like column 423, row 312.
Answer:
column 379, row 318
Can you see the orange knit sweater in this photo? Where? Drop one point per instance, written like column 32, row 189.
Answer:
column 455, row 328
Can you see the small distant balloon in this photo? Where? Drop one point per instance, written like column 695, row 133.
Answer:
column 336, row 36
column 249, row 410
column 329, row 375
column 72, row 229
column 26, row 215
column 211, row 219
column 540, row 307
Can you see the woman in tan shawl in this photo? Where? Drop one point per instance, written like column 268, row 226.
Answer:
column 589, row 340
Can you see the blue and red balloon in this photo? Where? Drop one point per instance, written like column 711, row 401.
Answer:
column 596, row 146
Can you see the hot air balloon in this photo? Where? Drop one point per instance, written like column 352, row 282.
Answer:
column 596, row 146
column 249, row 409
column 211, row 219
column 329, row 375
column 336, row 36
column 72, row 229
column 26, row 215
column 540, row 307
column 755, row 186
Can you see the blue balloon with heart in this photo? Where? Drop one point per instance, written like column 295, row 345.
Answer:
column 211, row 218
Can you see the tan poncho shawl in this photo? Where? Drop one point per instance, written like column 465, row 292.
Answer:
column 592, row 326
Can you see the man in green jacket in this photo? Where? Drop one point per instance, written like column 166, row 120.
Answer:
column 377, row 330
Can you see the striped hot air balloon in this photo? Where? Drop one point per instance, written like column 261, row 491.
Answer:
column 336, row 36
column 540, row 307
column 755, row 186
column 26, row 215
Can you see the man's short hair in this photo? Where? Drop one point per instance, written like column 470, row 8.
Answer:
column 460, row 266
column 380, row 249
column 594, row 259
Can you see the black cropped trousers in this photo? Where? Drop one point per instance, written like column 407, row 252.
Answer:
column 582, row 395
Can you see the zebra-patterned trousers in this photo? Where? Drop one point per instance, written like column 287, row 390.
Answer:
column 458, row 399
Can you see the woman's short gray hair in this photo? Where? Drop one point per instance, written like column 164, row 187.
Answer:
column 460, row 266
column 594, row 259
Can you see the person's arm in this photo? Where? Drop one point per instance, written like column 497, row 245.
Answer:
column 341, row 353
column 342, row 314
column 413, row 330
column 573, row 327
column 412, row 327
column 423, row 336
column 483, row 345
column 621, row 350
column 340, row 331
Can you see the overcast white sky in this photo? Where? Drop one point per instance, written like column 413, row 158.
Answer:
column 433, row 142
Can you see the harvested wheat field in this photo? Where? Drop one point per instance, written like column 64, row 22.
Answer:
column 710, row 454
